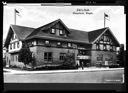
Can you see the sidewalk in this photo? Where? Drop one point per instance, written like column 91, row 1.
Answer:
column 10, row 71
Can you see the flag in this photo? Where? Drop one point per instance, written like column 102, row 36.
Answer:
column 106, row 16
column 17, row 12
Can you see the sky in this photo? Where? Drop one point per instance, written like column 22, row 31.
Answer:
column 85, row 18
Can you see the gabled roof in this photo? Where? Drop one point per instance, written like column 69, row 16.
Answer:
column 20, row 31
column 93, row 35
column 96, row 34
column 74, row 36
column 25, row 33
column 47, row 26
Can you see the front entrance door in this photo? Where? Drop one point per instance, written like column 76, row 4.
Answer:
column 84, row 62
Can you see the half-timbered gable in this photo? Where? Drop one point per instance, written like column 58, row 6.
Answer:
column 103, row 47
column 105, row 41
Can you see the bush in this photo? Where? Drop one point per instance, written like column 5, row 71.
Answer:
column 4, row 62
column 25, row 55
column 69, row 61
column 114, row 66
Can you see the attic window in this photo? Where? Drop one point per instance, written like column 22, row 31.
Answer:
column 61, row 32
column 53, row 31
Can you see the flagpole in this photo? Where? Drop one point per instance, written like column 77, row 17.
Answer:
column 15, row 16
column 104, row 20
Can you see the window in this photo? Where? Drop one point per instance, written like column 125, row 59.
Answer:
column 13, row 36
column 100, row 57
column 34, row 43
column 53, row 31
column 97, row 47
column 10, row 46
column 114, row 48
column 14, row 46
column 58, row 43
column 46, row 42
column 105, row 48
column 105, row 38
column 101, row 39
column 17, row 44
column 61, row 32
column 48, row 56
column 101, row 46
column 69, row 44
column 62, row 55
column 108, row 47
column 111, row 48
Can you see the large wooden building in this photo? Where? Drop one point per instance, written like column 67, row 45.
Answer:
column 50, row 43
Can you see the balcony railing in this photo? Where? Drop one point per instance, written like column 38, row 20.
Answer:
column 83, row 57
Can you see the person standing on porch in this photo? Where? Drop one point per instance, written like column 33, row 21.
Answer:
column 82, row 65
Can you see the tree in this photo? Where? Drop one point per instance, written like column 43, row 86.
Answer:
column 25, row 55
column 121, row 56
column 69, row 60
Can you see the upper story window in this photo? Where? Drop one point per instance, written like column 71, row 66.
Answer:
column 10, row 46
column 97, row 47
column 69, row 44
column 61, row 32
column 114, row 48
column 17, row 44
column 108, row 47
column 14, row 36
column 34, row 42
column 105, row 47
column 101, row 39
column 101, row 46
column 53, row 31
column 46, row 42
column 58, row 43
column 14, row 46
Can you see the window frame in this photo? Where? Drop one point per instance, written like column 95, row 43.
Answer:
column 62, row 55
column 14, row 45
column 61, row 31
column 46, row 42
column 52, row 30
column 46, row 56
column 70, row 44
column 10, row 46
column 18, row 44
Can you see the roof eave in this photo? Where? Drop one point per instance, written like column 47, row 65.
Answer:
column 58, row 39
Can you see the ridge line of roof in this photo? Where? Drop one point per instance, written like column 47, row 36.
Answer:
column 21, row 26
column 98, row 29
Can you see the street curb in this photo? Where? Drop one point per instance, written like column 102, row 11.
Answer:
column 67, row 71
